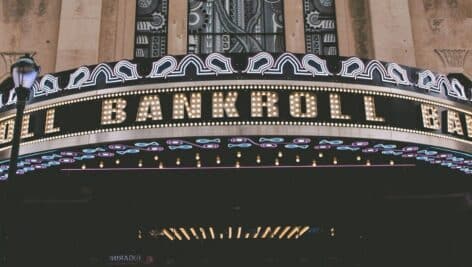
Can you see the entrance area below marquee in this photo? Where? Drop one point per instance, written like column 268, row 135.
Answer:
column 414, row 216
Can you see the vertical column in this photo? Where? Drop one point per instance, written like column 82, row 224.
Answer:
column 294, row 26
column 345, row 34
column 177, row 27
column 392, row 31
column 354, row 28
column 79, row 33
column 117, row 30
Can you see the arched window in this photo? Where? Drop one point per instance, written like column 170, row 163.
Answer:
column 151, row 28
column 320, row 27
column 230, row 26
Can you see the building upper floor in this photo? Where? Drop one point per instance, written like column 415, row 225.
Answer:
column 430, row 34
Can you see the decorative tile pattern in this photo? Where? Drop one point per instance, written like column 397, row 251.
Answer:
column 151, row 28
column 235, row 26
column 320, row 27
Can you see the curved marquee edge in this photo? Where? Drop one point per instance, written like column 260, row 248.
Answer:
column 263, row 64
column 435, row 156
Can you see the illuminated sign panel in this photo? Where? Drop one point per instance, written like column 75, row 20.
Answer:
column 241, row 105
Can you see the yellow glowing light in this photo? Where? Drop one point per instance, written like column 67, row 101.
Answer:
column 212, row 233
column 282, row 234
column 277, row 229
column 266, row 232
column 194, row 233
column 167, row 234
column 256, row 235
column 303, row 231
column 293, row 232
column 179, row 237
column 202, row 230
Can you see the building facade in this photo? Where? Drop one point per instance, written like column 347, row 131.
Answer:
column 220, row 132
column 426, row 34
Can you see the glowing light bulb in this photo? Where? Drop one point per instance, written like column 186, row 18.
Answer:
column 83, row 167
column 237, row 164
column 218, row 160
column 335, row 161
column 199, row 164
column 358, row 158
column 392, row 162
column 367, row 163
column 313, row 163
column 101, row 165
column 197, row 156
column 297, row 158
column 117, row 161
column 320, row 155
column 258, row 159
column 177, row 162
column 280, row 154
column 276, row 162
column 238, row 154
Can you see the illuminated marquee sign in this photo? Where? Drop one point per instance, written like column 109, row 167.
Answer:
column 241, row 105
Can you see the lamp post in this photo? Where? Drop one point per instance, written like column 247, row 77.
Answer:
column 24, row 73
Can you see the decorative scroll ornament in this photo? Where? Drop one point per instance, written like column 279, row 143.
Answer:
column 162, row 67
column 78, row 78
column 219, row 64
column 126, row 71
column 356, row 69
column 429, row 81
column 315, row 65
column 259, row 63
column 48, row 85
column 262, row 63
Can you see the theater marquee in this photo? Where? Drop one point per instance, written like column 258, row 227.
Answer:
column 222, row 96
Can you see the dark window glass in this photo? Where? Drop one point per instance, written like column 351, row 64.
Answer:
column 320, row 27
column 235, row 26
column 151, row 28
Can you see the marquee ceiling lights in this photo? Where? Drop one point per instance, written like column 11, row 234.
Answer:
column 212, row 233
column 242, row 152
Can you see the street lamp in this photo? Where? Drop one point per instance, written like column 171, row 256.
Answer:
column 24, row 73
